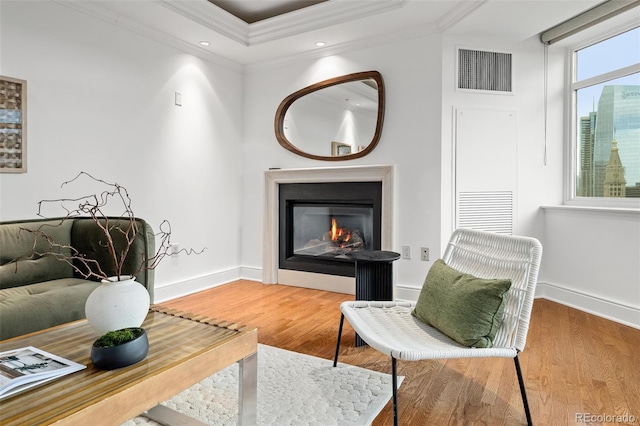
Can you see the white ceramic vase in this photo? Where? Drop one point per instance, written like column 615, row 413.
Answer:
column 117, row 304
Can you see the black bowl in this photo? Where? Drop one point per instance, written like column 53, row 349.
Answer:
column 122, row 355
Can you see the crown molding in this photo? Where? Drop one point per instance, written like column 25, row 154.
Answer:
column 212, row 17
column 290, row 24
column 96, row 11
column 407, row 34
column 321, row 15
column 458, row 13
column 91, row 9
column 441, row 25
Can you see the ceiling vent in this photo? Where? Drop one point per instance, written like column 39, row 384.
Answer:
column 485, row 71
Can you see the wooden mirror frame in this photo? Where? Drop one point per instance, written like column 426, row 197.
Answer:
column 286, row 103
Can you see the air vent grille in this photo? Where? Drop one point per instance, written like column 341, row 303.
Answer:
column 486, row 210
column 480, row 70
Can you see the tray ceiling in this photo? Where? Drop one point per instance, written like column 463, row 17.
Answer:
column 275, row 31
column 251, row 11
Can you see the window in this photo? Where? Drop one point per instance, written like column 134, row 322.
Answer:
column 606, row 119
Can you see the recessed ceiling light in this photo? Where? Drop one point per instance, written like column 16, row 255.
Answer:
column 204, row 43
column 321, row 43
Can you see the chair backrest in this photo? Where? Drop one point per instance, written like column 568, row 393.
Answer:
column 489, row 255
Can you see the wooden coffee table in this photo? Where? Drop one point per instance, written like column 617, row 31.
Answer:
column 183, row 350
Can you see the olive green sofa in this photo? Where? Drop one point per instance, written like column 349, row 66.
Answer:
column 38, row 292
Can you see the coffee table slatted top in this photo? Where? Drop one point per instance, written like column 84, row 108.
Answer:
column 183, row 349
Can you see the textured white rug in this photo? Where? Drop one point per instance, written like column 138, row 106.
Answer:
column 293, row 389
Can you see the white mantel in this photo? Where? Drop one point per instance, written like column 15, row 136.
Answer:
column 273, row 178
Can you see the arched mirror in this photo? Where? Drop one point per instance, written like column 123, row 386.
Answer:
column 336, row 119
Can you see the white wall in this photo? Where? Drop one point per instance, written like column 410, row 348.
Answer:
column 410, row 139
column 527, row 101
column 590, row 259
column 592, row 262
column 425, row 219
column 101, row 100
column 418, row 138
column 592, row 256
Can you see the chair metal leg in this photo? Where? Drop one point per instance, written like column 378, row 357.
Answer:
column 523, row 391
column 394, row 383
column 335, row 358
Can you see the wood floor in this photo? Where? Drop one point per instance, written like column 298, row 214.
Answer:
column 574, row 363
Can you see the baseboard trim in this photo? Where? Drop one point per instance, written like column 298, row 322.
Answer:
column 623, row 314
column 251, row 273
column 406, row 294
column 194, row 285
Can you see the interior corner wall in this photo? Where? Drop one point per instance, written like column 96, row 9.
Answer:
column 527, row 101
column 590, row 259
column 101, row 100
column 410, row 140
column 591, row 262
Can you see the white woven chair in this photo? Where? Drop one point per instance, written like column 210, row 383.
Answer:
column 390, row 328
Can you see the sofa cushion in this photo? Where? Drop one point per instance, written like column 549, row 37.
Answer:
column 466, row 308
column 38, row 306
column 15, row 242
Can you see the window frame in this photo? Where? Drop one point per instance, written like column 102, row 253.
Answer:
column 571, row 118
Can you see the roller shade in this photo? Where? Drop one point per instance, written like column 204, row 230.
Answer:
column 600, row 13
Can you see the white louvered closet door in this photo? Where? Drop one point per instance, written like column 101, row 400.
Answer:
column 486, row 169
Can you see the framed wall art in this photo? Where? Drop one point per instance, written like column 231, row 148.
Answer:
column 338, row 148
column 13, row 125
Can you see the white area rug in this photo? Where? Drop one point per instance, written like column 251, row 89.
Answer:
column 293, row 389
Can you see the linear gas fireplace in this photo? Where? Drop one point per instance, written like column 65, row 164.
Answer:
column 321, row 223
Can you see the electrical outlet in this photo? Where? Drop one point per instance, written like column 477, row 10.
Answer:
column 424, row 253
column 406, row 252
column 175, row 249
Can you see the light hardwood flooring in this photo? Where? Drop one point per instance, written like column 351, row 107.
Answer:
column 574, row 363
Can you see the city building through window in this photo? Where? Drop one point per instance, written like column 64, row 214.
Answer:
column 606, row 106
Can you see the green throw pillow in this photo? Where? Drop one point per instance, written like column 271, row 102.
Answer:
column 465, row 308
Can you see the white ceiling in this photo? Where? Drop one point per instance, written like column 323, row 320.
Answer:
column 340, row 23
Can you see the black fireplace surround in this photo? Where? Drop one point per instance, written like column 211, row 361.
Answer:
column 320, row 223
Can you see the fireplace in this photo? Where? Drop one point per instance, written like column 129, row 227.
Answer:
column 320, row 223
column 274, row 178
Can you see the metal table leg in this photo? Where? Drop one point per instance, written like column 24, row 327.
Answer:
column 248, row 390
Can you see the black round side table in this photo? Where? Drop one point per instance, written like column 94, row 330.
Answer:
column 374, row 276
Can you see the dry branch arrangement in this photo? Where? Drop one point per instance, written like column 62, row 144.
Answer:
column 123, row 226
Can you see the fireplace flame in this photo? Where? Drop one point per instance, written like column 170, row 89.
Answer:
column 338, row 234
column 335, row 240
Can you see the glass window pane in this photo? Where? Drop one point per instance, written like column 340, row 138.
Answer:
column 608, row 129
column 611, row 54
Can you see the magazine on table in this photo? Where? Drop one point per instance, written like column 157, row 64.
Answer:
column 23, row 368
